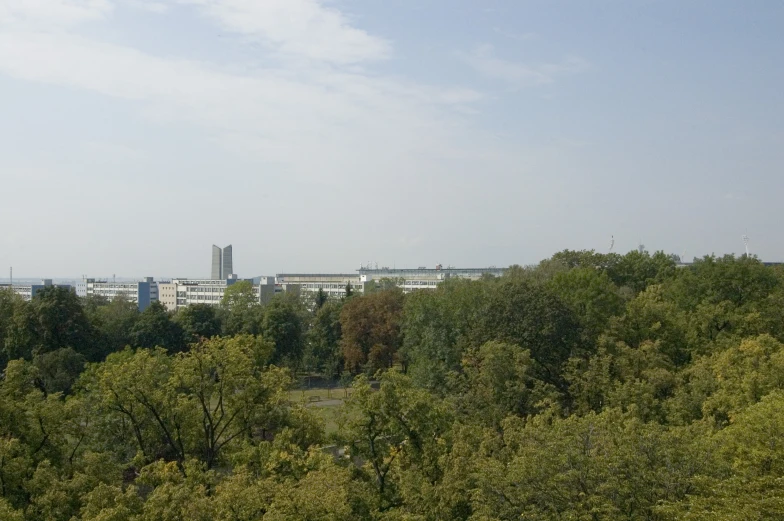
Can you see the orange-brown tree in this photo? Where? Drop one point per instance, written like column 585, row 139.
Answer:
column 371, row 330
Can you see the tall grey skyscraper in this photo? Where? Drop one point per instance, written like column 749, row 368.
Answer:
column 222, row 263
column 228, row 265
column 217, row 263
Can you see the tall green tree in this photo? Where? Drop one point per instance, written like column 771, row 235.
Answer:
column 607, row 466
column 741, row 281
column 199, row 321
column 321, row 298
column 532, row 317
column 585, row 259
column 113, row 323
column 638, row 270
column 283, row 325
column 499, row 380
column 199, row 404
column 591, row 295
column 399, row 428
column 437, row 327
column 651, row 317
column 323, row 340
column 58, row 370
column 242, row 309
column 15, row 326
column 155, row 328
column 60, row 322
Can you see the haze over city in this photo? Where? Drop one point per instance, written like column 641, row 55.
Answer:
column 318, row 135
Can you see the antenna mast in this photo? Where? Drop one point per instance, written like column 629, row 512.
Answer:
column 746, row 244
column 612, row 242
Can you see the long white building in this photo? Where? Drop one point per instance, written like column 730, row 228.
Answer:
column 28, row 291
column 425, row 278
column 143, row 293
column 180, row 293
column 334, row 284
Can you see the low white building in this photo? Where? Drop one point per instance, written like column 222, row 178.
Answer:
column 424, row 278
column 28, row 291
column 180, row 293
column 143, row 293
column 333, row 284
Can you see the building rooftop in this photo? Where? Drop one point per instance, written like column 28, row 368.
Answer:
column 283, row 275
column 430, row 270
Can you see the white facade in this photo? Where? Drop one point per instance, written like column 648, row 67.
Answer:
column 199, row 291
column 28, row 291
column 333, row 284
column 141, row 293
column 167, row 295
column 423, row 278
column 180, row 293
column 23, row 290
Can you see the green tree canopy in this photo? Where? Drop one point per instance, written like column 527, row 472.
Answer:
column 323, row 340
column 113, row 323
column 155, row 328
column 532, row 317
column 283, row 325
column 59, row 321
column 199, row 321
column 242, row 309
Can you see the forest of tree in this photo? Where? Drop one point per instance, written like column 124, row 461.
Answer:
column 589, row 387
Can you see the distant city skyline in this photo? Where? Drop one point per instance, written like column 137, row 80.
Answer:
column 326, row 133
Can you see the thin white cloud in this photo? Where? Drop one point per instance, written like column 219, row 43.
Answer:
column 49, row 14
column 305, row 28
column 270, row 114
column 484, row 60
column 459, row 96
column 153, row 6
column 294, row 28
column 115, row 151
column 515, row 35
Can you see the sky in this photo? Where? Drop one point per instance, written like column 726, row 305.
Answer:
column 319, row 135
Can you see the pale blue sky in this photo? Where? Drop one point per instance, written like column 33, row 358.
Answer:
column 316, row 135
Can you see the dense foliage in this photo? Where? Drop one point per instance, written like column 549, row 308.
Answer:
column 589, row 387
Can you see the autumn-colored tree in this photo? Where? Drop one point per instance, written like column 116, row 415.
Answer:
column 371, row 329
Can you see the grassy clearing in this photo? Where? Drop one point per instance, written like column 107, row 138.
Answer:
column 330, row 416
column 324, row 402
column 317, row 394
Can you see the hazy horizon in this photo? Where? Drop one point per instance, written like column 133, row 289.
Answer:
column 313, row 269
column 321, row 134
